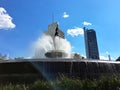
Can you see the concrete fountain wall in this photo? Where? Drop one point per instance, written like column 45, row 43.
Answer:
column 27, row 71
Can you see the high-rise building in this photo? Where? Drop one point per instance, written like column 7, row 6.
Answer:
column 91, row 45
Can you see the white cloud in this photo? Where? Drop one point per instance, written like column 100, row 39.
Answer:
column 103, row 58
column 5, row 20
column 86, row 23
column 107, row 53
column 106, row 58
column 75, row 31
column 65, row 15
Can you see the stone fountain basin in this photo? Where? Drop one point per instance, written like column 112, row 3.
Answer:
column 30, row 70
column 56, row 54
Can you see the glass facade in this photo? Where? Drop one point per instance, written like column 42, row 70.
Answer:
column 91, row 44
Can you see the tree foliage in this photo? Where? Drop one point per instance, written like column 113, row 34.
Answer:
column 19, row 58
column 77, row 56
column 1, row 58
column 118, row 59
column 4, row 57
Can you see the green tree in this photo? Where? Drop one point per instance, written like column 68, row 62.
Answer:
column 118, row 59
column 1, row 58
column 76, row 55
column 19, row 58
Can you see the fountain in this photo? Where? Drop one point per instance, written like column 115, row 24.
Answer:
column 56, row 63
column 55, row 33
column 56, row 54
column 54, row 44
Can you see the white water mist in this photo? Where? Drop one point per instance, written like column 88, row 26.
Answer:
column 46, row 43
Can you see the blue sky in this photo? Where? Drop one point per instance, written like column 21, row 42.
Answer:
column 29, row 18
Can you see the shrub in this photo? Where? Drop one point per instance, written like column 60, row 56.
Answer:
column 13, row 87
column 68, row 84
column 65, row 83
column 41, row 85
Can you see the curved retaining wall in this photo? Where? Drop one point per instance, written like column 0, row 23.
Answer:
column 27, row 71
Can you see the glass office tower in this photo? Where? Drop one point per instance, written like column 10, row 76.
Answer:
column 91, row 45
